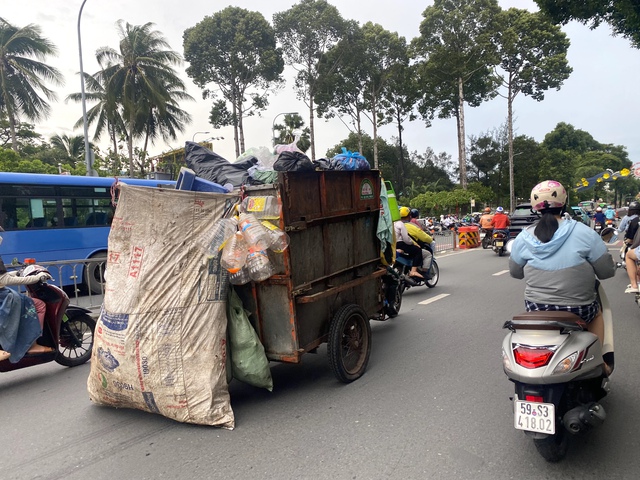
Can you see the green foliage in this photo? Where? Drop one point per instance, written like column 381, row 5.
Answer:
column 24, row 75
column 455, row 55
column 533, row 53
column 622, row 15
column 235, row 50
column 141, row 80
column 306, row 32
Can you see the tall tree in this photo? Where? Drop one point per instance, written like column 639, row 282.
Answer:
column 139, row 75
column 533, row 57
column 306, row 32
column 24, row 75
column 456, row 56
column 398, row 104
column 622, row 15
column 341, row 85
column 235, row 50
column 384, row 52
column 106, row 114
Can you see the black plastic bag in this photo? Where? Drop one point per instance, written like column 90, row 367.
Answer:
column 213, row 167
column 293, row 162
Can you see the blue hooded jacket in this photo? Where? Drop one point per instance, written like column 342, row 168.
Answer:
column 563, row 270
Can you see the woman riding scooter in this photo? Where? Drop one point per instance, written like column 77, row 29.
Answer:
column 560, row 260
column 21, row 317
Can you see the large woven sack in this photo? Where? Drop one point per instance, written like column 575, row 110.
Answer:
column 160, row 341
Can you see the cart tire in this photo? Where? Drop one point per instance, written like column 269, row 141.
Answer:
column 349, row 343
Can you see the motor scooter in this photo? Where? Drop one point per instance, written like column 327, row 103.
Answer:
column 499, row 241
column 487, row 237
column 67, row 333
column 558, row 369
column 429, row 272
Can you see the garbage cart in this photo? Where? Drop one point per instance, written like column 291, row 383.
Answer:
column 328, row 283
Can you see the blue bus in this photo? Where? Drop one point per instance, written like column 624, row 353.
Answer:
column 59, row 218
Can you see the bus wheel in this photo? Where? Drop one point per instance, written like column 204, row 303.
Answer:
column 94, row 276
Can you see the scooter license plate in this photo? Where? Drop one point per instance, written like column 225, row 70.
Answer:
column 535, row 417
column 499, row 244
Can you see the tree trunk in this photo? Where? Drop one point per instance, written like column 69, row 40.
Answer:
column 462, row 153
column 130, row 142
column 401, row 152
column 512, row 196
column 236, row 133
column 359, row 127
column 241, row 134
column 312, row 128
column 375, row 128
column 12, row 129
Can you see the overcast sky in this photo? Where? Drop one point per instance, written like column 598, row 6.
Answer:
column 601, row 96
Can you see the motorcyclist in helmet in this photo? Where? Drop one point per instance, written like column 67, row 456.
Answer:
column 29, row 327
column 414, row 214
column 599, row 216
column 405, row 244
column 500, row 220
column 560, row 260
column 485, row 220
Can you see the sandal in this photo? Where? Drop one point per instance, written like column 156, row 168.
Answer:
column 632, row 290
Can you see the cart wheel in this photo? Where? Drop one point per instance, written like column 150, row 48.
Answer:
column 349, row 343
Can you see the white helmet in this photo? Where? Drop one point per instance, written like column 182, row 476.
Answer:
column 548, row 194
column 499, row 209
column 599, row 209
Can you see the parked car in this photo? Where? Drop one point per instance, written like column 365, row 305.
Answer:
column 521, row 217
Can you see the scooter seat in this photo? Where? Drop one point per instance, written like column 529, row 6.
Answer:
column 546, row 320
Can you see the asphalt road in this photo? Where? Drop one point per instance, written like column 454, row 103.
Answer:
column 433, row 404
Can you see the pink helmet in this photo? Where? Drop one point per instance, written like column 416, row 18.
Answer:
column 548, row 194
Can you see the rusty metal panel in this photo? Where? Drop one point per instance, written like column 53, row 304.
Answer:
column 331, row 219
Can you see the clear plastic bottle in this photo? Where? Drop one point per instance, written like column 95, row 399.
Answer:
column 222, row 231
column 240, row 277
column 279, row 239
column 234, row 253
column 256, row 235
column 259, row 265
column 266, row 207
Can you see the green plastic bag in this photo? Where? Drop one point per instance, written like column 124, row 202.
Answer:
column 249, row 363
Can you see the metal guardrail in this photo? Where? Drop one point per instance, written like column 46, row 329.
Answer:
column 79, row 291
column 82, row 295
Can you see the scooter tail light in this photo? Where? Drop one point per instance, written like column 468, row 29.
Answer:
column 534, row 398
column 532, row 357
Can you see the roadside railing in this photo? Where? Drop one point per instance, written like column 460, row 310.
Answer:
column 87, row 293
column 444, row 240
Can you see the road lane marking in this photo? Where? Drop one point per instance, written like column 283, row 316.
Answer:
column 434, row 299
column 501, row 272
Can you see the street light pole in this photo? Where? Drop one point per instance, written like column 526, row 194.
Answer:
column 193, row 139
column 273, row 126
column 87, row 147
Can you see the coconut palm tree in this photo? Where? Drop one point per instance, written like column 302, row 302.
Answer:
column 23, row 75
column 140, row 76
column 73, row 147
column 106, row 113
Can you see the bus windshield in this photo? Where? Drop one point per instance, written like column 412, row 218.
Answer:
column 58, row 217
